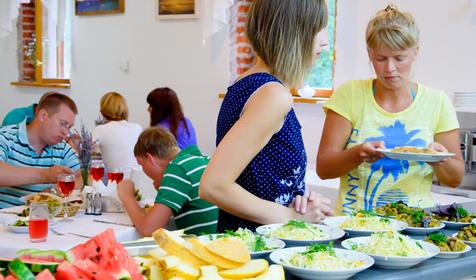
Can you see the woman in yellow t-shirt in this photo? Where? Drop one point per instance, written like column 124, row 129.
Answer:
column 388, row 111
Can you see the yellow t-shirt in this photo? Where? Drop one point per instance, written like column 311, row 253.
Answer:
column 370, row 185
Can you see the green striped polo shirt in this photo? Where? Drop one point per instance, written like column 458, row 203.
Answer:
column 15, row 149
column 179, row 191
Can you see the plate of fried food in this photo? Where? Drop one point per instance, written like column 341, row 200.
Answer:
column 55, row 204
column 415, row 154
column 454, row 216
column 467, row 235
column 450, row 247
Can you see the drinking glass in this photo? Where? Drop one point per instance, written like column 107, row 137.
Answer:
column 115, row 174
column 38, row 221
column 97, row 170
column 66, row 184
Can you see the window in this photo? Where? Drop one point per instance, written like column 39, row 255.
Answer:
column 242, row 56
column 44, row 32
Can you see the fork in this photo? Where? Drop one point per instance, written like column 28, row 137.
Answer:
column 60, row 233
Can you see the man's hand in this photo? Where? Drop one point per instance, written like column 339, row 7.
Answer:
column 50, row 174
column 125, row 190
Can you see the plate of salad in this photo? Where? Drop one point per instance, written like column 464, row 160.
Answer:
column 258, row 245
column 450, row 247
column 19, row 226
column 299, row 233
column 454, row 216
column 319, row 261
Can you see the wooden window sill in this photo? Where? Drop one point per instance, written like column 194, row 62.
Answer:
column 39, row 84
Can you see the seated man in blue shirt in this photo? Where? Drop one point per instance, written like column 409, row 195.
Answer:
column 33, row 155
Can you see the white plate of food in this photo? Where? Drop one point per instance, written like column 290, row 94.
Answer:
column 450, row 247
column 258, row 245
column 415, row 154
column 19, row 226
column 455, row 225
column 392, row 250
column 467, row 237
column 423, row 230
column 362, row 225
column 307, row 264
column 299, row 233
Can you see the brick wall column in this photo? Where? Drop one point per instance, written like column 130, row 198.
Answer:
column 26, row 39
column 242, row 55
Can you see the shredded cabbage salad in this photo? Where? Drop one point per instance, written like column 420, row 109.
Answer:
column 391, row 243
column 254, row 242
column 299, row 230
column 362, row 221
column 319, row 256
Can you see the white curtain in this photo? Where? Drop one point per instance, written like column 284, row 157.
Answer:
column 216, row 17
column 8, row 15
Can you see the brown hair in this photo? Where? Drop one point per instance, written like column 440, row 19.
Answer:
column 156, row 141
column 166, row 105
column 282, row 34
column 51, row 101
column 114, row 107
column 392, row 28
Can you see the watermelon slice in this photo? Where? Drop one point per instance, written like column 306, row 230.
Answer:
column 107, row 254
column 11, row 277
column 42, row 255
column 45, row 275
column 20, row 270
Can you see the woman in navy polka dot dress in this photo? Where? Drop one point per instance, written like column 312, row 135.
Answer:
column 256, row 175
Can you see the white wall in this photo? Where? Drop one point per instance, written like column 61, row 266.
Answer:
column 170, row 53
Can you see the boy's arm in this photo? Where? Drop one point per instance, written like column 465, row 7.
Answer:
column 146, row 223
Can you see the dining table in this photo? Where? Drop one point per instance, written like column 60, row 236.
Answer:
column 63, row 235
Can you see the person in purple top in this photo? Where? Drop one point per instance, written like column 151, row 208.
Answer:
column 166, row 111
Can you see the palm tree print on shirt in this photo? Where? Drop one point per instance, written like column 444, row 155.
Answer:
column 393, row 136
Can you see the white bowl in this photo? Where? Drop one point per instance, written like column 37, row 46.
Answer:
column 18, row 229
column 270, row 243
column 452, row 255
column 394, row 262
column 454, row 225
column 472, row 244
column 282, row 257
column 337, row 221
column 422, row 230
column 331, row 233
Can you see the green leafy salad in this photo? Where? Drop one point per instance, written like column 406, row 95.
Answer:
column 320, row 256
column 298, row 230
column 254, row 242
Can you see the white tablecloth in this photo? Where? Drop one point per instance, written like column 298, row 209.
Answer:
column 82, row 224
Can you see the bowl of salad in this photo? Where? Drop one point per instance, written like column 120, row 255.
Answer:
column 467, row 235
column 299, row 233
column 19, row 226
column 258, row 245
column 454, row 216
column 320, row 261
column 364, row 223
column 392, row 250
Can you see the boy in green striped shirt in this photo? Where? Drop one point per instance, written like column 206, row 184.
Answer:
column 176, row 174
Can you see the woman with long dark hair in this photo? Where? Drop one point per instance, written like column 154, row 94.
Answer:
column 166, row 111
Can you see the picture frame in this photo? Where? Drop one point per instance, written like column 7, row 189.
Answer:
column 98, row 7
column 178, row 9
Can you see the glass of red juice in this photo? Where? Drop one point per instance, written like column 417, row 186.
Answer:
column 38, row 222
column 115, row 174
column 97, row 170
column 66, row 183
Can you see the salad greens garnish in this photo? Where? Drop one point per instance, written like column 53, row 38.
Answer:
column 316, row 248
column 462, row 212
column 297, row 224
column 419, row 245
column 438, row 237
column 260, row 244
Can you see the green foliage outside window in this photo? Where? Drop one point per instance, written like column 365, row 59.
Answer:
column 321, row 73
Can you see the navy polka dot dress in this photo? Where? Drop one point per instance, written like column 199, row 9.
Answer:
column 277, row 171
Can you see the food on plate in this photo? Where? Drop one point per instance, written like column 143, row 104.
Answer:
column 420, row 219
column 223, row 258
column 320, row 256
column 467, row 233
column 446, row 243
column 414, row 150
column 453, row 213
column 298, row 230
column 54, row 202
column 20, row 223
column 254, row 242
column 391, row 243
column 367, row 220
